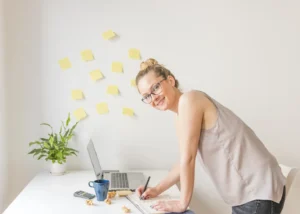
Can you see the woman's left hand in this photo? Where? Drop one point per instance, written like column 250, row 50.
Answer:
column 169, row 206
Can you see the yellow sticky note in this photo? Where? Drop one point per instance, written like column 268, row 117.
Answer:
column 79, row 114
column 102, row 108
column 87, row 55
column 77, row 94
column 112, row 89
column 133, row 83
column 108, row 35
column 128, row 111
column 96, row 75
column 65, row 63
column 134, row 53
column 117, row 67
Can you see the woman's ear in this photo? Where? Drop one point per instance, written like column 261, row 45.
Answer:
column 171, row 80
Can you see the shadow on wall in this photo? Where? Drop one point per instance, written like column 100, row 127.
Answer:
column 23, row 25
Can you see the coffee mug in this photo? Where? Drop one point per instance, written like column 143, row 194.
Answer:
column 101, row 188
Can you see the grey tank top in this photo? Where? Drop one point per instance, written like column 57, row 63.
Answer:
column 240, row 166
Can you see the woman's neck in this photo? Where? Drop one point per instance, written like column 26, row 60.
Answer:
column 174, row 108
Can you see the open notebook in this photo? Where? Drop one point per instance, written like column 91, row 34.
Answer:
column 145, row 205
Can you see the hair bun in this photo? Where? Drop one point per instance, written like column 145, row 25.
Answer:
column 147, row 63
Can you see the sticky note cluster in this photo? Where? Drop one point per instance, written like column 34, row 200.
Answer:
column 95, row 75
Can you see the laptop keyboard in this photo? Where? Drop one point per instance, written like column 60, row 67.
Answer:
column 119, row 180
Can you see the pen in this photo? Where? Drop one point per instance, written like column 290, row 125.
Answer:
column 145, row 187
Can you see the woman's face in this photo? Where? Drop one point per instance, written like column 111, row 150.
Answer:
column 157, row 91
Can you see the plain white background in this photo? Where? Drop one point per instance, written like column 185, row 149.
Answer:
column 245, row 54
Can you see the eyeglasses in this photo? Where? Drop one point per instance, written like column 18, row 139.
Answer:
column 156, row 89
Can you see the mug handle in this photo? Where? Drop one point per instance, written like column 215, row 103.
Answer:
column 91, row 182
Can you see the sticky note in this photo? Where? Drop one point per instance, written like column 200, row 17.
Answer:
column 102, row 108
column 108, row 35
column 65, row 63
column 96, row 75
column 133, row 83
column 79, row 113
column 117, row 67
column 112, row 89
column 134, row 53
column 128, row 111
column 77, row 94
column 87, row 55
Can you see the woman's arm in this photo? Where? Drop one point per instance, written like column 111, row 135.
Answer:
column 171, row 179
column 190, row 114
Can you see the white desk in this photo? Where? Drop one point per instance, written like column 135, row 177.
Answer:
column 54, row 194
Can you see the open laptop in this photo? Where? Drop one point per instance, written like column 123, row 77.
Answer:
column 117, row 180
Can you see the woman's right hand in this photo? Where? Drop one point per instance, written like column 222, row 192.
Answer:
column 151, row 192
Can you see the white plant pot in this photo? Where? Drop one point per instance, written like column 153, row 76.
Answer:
column 58, row 169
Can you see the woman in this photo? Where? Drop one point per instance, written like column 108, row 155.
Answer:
column 245, row 173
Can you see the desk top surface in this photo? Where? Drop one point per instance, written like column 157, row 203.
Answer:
column 46, row 193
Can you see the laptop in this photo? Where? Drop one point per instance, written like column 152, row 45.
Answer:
column 117, row 180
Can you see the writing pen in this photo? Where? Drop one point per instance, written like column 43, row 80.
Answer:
column 145, row 188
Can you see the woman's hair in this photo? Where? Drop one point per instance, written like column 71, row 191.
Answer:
column 152, row 65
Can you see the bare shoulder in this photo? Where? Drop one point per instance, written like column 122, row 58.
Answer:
column 193, row 99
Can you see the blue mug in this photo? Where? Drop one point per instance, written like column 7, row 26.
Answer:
column 101, row 188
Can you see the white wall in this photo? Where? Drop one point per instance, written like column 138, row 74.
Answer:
column 23, row 76
column 243, row 54
column 3, row 150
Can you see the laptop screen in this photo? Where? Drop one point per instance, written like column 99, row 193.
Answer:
column 94, row 159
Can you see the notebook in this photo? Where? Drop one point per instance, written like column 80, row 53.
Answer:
column 145, row 205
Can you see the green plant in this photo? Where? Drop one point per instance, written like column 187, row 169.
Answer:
column 55, row 147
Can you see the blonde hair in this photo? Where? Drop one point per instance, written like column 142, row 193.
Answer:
column 152, row 65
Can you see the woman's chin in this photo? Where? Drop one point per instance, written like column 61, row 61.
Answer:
column 163, row 107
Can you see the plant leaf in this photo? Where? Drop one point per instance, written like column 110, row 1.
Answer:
column 68, row 120
column 44, row 139
column 41, row 156
column 73, row 127
column 46, row 124
column 63, row 125
column 35, row 142
column 46, row 145
column 67, row 132
column 32, row 151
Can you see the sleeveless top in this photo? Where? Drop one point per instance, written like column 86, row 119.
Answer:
column 240, row 166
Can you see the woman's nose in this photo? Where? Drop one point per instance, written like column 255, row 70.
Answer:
column 154, row 97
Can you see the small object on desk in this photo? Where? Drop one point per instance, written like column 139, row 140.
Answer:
column 125, row 209
column 111, row 194
column 82, row 194
column 108, row 201
column 142, row 198
column 89, row 202
column 122, row 193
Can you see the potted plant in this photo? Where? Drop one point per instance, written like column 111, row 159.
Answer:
column 55, row 147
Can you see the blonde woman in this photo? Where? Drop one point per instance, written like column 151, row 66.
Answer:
column 245, row 173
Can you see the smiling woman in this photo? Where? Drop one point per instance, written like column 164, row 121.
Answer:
column 246, row 174
column 152, row 88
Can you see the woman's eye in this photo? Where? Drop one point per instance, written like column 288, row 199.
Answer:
column 156, row 87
